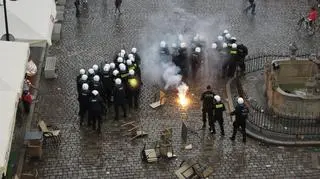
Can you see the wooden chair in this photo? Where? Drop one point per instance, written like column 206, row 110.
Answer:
column 52, row 133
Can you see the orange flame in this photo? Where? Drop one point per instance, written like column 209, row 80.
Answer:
column 182, row 95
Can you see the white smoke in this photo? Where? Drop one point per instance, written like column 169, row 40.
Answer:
column 175, row 25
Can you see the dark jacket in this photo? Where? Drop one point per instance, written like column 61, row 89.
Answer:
column 107, row 81
column 84, row 97
column 119, row 95
column 242, row 51
column 97, row 85
column 117, row 3
column 241, row 112
column 208, row 100
column 218, row 110
column 96, row 104
column 137, row 58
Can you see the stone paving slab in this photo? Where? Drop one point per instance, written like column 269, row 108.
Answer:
column 97, row 35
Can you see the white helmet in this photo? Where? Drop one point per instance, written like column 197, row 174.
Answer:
column 228, row 36
column 84, row 77
column 226, row 31
column 198, row 49
column 112, row 65
column 118, row 81
column 85, row 86
column 134, row 50
column 106, row 67
column 96, row 78
column 122, row 51
column 115, row 72
column 130, row 55
column 82, row 71
column 129, row 62
column 132, row 59
column 240, row 100
column 119, row 59
column 220, row 38
column 95, row 67
column 233, row 38
column 224, row 45
column 234, row 45
column 131, row 72
column 122, row 67
column 174, row 45
column 91, row 71
column 217, row 98
column 183, row 45
column 214, row 45
column 95, row 92
column 162, row 44
column 180, row 37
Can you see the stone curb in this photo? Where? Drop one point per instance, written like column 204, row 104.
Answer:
column 261, row 137
column 30, row 116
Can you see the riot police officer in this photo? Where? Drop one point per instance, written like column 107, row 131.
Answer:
column 119, row 97
column 83, row 102
column 96, row 69
column 207, row 106
column 82, row 80
column 81, row 72
column 233, row 60
column 196, row 61
column 133, row 89
column 241, row 112
column 218, row 109
column 90, row 75
column 107, row 83
column 243, row 52
column 164, row 52
column 136, row 55
column 96, row 107
column 97, row 85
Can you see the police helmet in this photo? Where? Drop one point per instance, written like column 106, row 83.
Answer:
column 106, row 67
column 162, row 44
column 84, row 77
column 180, row 37
column 174, row 45
column 129, row 62
column 122, row 51
column 131, row 72
column 240, row 100
column 96, row 78
column 228, row 36
column 233, row 38
column 118, row 81
column 119, row 59
column 226, row 31
column 217, row 98
column 95, row 67
column 85, row 86
column 130, row 55
column 220, row 38
column 95, row 92
column 183, row 45
column 234, row 45
column 134, row 50
column 115, row 72
column 198, row 49
column 91, row 71
column 122, row 67
column 214, row 45
column 132, row 59
column 82, row 71
column 112, row 65
column 224, row 45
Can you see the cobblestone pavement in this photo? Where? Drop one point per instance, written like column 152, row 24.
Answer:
column 96, row 36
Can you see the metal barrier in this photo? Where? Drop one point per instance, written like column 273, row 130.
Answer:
column 264, row 120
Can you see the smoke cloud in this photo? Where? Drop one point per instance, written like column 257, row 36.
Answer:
column 173, row 25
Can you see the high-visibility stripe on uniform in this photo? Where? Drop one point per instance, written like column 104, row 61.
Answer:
column 219, row 105
column 233, row 52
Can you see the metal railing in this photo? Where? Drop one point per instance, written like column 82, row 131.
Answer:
column 264, row 120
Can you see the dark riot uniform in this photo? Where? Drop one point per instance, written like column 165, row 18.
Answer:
column 195, row 63
column 107, row 84
column 97, row 85
column 218, row 109
column 83, row 104
column 137, row 58
column 241, row 112
column 207, row 107
column 243, row 52
column 79, row 85
column 95, row 111
column 119, row 96
column 182, row 62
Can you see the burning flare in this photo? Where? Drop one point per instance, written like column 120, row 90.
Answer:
column 182, row 95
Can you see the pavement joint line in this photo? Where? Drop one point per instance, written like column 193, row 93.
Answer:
column 263, row 138
column 30, row 116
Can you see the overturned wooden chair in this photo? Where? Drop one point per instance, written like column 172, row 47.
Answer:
column 134, row 130
column 49, row 132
